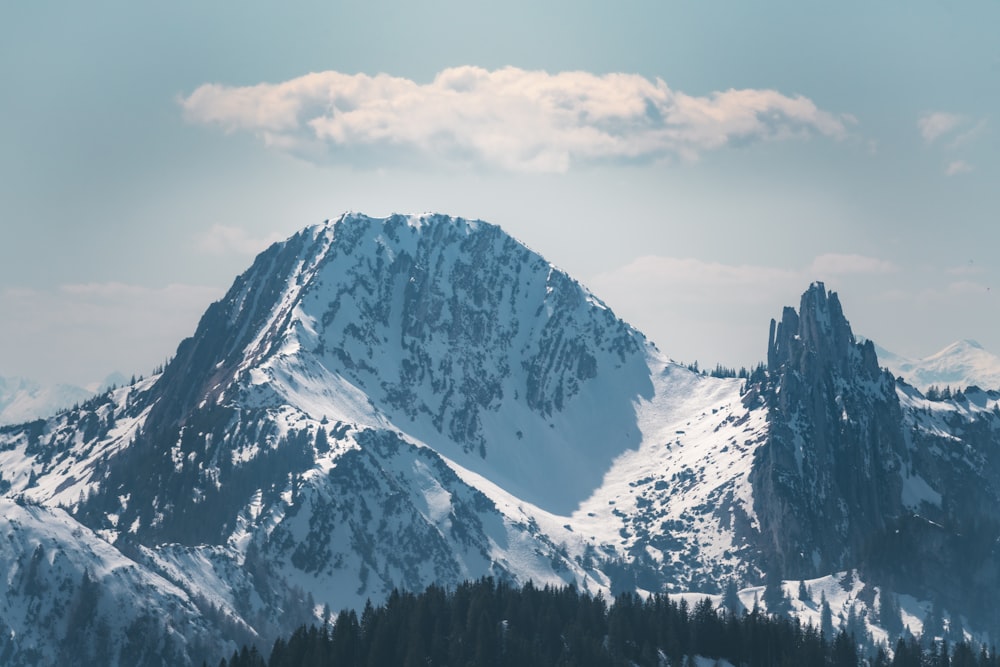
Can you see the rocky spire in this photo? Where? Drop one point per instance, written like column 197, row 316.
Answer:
column 827, row 477
column 818, row 339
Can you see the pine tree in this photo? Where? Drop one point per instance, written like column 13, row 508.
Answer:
column 825, row 617
column 845, row 653
column 775, row 600
column 322, row 441
column 804, row 594
column 731, row 598
column 889, row 614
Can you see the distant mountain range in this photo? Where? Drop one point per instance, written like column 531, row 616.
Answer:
column 391, row 403
column 958, row 365
column 23, row 400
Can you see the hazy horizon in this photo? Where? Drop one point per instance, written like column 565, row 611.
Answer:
column 695, row 166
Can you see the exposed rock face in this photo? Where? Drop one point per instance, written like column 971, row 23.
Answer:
column 434, row 324
column 861, row 471
column 944, row 545
column 382, row 403
column 828, row 477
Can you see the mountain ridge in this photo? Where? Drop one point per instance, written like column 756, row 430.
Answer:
column 958, row 365
column 23, row 400
column 383, row 403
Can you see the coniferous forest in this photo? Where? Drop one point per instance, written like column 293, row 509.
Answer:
column 487, row 623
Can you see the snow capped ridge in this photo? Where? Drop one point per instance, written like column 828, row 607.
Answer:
column 479, row 354
column 415, row 220
column 22, row 400
column 961, row 364
column 452, row 328
column 120, row 613
column 382, row 403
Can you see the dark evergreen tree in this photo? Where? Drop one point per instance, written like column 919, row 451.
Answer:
column 844, row 652
column 804, row 594
column 933, row 627
column 890, row 616
column 775, row 600
column 825, row 617
column 731, row 599
column 322, row 443
column 489, row 623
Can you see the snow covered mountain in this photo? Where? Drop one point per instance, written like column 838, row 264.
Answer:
column 959, row 365
column 382, row 403
column 22, row 400
column 63, row 583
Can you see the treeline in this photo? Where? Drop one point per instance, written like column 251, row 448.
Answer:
column 490, row 623
column 721, row 371
column 935, row 393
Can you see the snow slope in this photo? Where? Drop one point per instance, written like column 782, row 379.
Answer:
column 395, row 402
column 72, row 598
column 22, row 400
column 385, row 403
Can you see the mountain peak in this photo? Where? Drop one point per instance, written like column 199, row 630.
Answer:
column 960, row 364
column 23, row 400
column 444, row 328
column 829, row 408
column 816, row 338
column 965, row 343
column 354, row 223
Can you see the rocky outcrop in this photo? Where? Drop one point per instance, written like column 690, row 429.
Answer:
column 860, row 470
column 828, row 477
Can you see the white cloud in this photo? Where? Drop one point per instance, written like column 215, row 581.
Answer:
column 957, row 167
column 512, row 118
column 227, row 240
column 970, row 135
column 938, row 123
column 958, row 132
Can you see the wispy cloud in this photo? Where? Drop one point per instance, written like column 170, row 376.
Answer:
column 511, row 118
column 969, row 133
column 228, row 240
column 936, row 124
column 957, row 167
column 954, row 134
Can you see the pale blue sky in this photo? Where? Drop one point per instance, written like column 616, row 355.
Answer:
column 128, row 203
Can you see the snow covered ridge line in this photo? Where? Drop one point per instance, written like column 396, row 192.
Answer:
column 71, row 598
column 22, row 400
column 962, row 364
column 875, row 616
column 382, row 403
